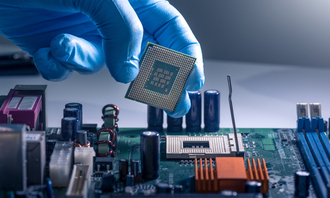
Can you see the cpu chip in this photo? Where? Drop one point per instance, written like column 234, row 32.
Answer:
column 162, row 77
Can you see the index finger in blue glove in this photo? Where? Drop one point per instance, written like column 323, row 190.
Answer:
column 168, row 28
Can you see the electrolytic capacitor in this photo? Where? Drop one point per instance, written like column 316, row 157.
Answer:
column 150, row 154
column 211, row 110
column 123, row 169
column 129, row 180
column 80, row 110
column 194, row 116
column 252, row 187
column 81, row 137
column 69, row 128
column 73, row 112
column 174, row 124
column 155, row 119
column 134, row 167
column 301, row 183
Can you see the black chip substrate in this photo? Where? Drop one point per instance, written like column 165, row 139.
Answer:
column 162, row 77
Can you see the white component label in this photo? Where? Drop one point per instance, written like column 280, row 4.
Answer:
column 32, row 136
column 27, row 102
column 14, row 102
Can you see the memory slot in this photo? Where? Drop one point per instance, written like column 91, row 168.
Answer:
column 317, row 157
column 325, row 143
column 323, row 154
column 318, row 183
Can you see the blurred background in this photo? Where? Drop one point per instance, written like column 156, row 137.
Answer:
column 278, row 53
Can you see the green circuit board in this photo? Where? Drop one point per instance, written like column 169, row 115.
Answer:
column 277, row 146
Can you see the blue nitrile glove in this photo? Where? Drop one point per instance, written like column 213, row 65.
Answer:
column 86, row 35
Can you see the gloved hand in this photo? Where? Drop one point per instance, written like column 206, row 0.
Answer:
column 86, row 35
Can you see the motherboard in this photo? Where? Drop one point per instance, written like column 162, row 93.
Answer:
column 79, row 159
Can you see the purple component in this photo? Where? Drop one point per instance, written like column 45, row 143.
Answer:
column 24, row 109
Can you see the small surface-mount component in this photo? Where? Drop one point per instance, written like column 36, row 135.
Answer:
column 315, row 110
column 211, row 110
column 256, row 172
column 155, row 119
column 79, row 182
column 162, row 77
column 302, row 110
column 36, row 157
column 103, row 163
column 13, row 157
column 92, row 128
column 174, row 124
column 84, row 155
column 194, row 116
column 301, row 183
column 187, row 147
column 164, row 188
column 108, row 183
column 61, row 163
column 150, row 156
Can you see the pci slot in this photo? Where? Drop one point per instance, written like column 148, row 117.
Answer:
column 318, row 183
column 325, row 143
column 322, row 151
column 317, row 156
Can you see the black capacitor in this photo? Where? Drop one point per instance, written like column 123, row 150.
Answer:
column 252, row 187
column 194, row 116
column 155, row 119
column 123, row 169
column 174, row 124
column 69, row 128
column 301, row 183
column 108, row 183
column 77, row 106
column 150, row 149
column 211, row 110
column 81, row 137
column 129, row 180
column 164, row 188
column 134, row 167
column 73, row 112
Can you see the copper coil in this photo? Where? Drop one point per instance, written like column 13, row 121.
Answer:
column 76, row 144
column 107, row 130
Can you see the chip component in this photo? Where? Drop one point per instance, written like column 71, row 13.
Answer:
column 162, row 77
column 186, row 147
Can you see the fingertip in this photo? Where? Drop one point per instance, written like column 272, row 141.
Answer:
column 182, row 107
column 49, row 68
column 125, row 72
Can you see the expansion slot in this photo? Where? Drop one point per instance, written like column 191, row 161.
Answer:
column 321, row 150
column 325, row 143
column 317, row 157
column 320, row 187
